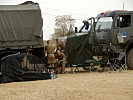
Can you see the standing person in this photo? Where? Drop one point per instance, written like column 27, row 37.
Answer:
column 60, row 44
column 63, row 62
column 49, row 52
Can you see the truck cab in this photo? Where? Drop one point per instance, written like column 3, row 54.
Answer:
column 114, row 32
column 114, row 27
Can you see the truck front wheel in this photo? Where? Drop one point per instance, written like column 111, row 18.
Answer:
column 130, row 59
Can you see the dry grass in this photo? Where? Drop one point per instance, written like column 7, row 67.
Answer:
column 77, row 86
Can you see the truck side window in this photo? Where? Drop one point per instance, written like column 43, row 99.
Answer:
column 125, row 21
column 117, row 23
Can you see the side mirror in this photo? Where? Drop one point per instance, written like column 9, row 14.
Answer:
column 87, row 25
column 76, row 30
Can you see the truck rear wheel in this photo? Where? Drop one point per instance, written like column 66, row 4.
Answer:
column 130, row 59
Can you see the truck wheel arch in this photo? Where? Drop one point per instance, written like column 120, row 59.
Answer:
column 129, row 55
column 5, row 53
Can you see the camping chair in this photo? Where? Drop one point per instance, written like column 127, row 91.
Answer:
column 118, row 64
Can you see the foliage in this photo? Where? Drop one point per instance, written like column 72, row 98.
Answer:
column 63, row 24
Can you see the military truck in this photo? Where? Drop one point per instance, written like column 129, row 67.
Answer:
column 20, row 27
column 21, row 42
column 109, row 39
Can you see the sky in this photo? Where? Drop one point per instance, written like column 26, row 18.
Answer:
column 78, row 9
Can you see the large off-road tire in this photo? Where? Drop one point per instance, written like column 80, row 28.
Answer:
column 130, row 59
column 10, row 70
column 5, row 77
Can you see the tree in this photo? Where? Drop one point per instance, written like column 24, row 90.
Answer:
column 63, row 24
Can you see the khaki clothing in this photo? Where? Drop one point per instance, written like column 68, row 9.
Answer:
column 49, row 52
column 51, row 58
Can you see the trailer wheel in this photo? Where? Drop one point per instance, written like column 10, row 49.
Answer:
column 89, row 67
column 130, row 59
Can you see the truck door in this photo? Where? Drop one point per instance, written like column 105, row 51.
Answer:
column 123, row 29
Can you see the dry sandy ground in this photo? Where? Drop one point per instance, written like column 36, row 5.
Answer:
column 77, row 86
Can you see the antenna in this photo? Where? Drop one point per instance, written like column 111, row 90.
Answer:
column 123, row 5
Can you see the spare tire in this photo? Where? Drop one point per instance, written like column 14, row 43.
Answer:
column 130, row 59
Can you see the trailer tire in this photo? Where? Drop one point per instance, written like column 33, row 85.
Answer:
column 130, row 59
column 88, row 68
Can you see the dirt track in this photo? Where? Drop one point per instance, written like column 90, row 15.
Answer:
column 78, row 86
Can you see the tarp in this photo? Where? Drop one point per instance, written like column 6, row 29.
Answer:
column 77, row 50
column 20, row 22
column 23, row 67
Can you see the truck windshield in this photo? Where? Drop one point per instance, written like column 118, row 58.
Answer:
column 104, row 23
